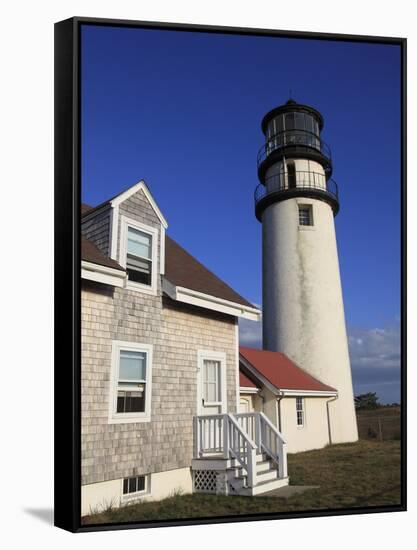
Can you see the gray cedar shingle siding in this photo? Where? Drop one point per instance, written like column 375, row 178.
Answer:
column 112, row 451
column 97, row 230
column 177, row 332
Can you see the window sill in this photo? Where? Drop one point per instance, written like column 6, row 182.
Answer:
column 134, row 497
column 306, row 228
column 128, row 419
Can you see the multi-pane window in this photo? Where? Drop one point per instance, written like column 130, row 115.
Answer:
column 299, row 405
column 299, row 128
column 305, row 215
column 135, row 484
column 131, row 384
column 139, row 256
column 293, row 121
column 211, row 381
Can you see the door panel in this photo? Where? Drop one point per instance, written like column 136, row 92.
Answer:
column 211, row 400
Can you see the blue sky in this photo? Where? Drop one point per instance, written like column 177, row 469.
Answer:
column 182, row 110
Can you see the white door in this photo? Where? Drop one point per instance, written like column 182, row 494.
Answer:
column 212, row 398
column 243, row 406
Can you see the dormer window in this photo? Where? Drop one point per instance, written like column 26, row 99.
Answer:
column 139, row 255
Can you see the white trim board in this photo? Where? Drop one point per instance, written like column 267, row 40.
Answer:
column 102, row 274
column 114, row 226
column 247, row 390
column 308, row 393
column 207, row 301
column 237, row 379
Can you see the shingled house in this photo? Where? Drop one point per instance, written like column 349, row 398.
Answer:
column 164, row 406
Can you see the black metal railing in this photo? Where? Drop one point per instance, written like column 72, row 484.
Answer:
column 298, row 181
column 291, row 138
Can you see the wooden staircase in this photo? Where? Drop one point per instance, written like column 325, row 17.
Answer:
column 267, row 478
column 242, row 454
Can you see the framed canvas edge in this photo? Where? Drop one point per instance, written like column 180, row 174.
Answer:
column 67, row 189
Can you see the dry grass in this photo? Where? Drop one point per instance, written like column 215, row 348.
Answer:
column 366, row 473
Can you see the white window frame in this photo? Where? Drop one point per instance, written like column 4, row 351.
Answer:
column 125, row 418
column 203, row 355
column 125, row 223
column 138, row 494
column 302, row 410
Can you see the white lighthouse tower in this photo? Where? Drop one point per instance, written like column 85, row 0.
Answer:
column 296, row 202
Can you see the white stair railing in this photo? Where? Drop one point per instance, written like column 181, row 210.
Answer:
column 274, row 444
column 240, row 436
column 266, row 437
column 208, row 434
column 242, row 448
column 221, row 434
column 250, row 422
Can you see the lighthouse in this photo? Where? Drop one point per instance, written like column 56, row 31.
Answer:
column 296, row 201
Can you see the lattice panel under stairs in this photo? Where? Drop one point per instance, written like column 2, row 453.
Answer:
column 205, row 481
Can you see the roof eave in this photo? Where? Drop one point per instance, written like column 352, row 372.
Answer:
column 308, row 393
column 208, row 301
column 247, row 389
column 102, row 274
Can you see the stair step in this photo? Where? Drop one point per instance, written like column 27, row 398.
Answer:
column 263, row 466
column 261, row 477
column 261, row 457
column 263, row 487
column 266, row 476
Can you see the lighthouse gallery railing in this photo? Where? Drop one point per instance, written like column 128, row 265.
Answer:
column 303, row 180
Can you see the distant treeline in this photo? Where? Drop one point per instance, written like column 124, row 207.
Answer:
column 370, row 401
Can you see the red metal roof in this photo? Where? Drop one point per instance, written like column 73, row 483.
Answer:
column 245, row 382
column 280, row 371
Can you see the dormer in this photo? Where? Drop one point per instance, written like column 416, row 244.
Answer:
column 130, row 229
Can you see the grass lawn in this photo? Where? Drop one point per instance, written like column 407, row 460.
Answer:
column 366, row 473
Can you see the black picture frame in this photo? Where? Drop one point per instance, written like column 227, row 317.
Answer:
column 67, row 269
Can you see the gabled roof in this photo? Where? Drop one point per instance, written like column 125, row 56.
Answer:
column 280, row 371
column 90, row 253
column 183, row 270
column 124, row 195
column 245, row 381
